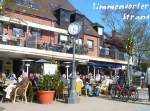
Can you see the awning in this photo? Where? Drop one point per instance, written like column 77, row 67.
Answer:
column 31, row 24
column 105, row 65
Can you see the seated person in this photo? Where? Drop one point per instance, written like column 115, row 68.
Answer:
column 13, row 78
column 64, row 79
column 11, row 87
column 96, row 90
column 79, row 85
column 89, row 89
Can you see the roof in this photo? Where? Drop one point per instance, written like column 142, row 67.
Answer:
column 116, row 42
column 97, row 24
column 45, row 9
column 88, row 29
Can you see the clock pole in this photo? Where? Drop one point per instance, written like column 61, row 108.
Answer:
column 73, row 97
column 73, row 29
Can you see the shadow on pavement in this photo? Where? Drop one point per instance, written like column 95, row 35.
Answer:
column 2, row 109
column 140, row 101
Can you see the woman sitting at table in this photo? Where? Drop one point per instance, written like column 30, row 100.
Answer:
column 11, row 87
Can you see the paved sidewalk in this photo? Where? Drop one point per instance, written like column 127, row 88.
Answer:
column 101, row 103
column 86, row 104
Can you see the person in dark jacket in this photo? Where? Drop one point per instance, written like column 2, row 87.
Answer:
column 122, row 77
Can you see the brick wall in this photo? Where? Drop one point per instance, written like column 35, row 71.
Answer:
column 47, row 36
column 94, row 51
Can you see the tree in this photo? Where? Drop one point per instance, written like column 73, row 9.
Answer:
column 133, row 32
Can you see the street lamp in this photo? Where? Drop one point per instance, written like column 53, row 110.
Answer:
column 73, row 29
column 27, row 64
column 67, row 66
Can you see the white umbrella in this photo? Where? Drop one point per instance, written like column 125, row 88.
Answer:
column 27, row 60
column 42, row 61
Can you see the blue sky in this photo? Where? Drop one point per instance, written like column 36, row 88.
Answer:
column 86, row 7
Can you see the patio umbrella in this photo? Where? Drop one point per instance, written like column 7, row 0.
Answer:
column 41, row 61
column 27, row 60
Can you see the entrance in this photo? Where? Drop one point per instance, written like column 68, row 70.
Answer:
column 1, row 66
column 17, row 67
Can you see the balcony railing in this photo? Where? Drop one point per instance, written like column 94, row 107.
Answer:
column 33, row 43
column 112, row 54
column 80, row 49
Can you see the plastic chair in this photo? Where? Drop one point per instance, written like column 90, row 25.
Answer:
column 104, row 89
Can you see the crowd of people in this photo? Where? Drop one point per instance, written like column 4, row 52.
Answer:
column 98, row 84
column 11, row 82
column 94, row 86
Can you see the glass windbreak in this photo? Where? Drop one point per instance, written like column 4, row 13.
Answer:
column 63, row 38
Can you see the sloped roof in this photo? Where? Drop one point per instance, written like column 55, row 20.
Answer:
column 46, row 10
column 88, row 29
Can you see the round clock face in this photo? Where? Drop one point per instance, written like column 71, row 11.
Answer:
column 74, row 29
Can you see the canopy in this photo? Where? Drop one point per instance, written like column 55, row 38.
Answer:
column 112, row 65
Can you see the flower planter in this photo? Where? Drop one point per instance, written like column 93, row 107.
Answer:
column 46, row 97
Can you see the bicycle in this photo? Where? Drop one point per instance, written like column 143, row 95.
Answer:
column 119, row 92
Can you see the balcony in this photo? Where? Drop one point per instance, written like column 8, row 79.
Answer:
column 34, row 43
column 111, row 54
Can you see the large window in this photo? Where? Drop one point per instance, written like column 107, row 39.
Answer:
column 18, row 31
column 1, row 28
column 90, row 44
column 36, row 33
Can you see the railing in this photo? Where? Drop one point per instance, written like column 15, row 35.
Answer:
column 64, row 48
column 112, row 54
column 33, row 43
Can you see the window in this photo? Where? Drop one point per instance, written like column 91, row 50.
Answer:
column 63, row 38
column 100, row 31
column 18, row 31
column 1, row 28
column 36, row 33
column 79, row 41
column 90, row 44
column 27, row 3
column 106, row 51
column 1, row 2
column 22, row 2
column 65, row 16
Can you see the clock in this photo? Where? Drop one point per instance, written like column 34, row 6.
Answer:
column 74, row 28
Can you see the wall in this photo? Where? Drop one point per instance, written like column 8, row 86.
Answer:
column 92, row 52
column 47, row 37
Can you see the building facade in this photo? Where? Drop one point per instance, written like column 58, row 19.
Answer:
column 37, row 29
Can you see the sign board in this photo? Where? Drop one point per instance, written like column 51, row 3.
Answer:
column 50, row 69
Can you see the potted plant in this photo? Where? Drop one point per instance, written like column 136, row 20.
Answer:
column 48, row 85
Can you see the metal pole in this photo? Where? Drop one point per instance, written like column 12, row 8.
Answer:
column 67, row 71
column 94, row 72
column 73, row 98
column 27, row 70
